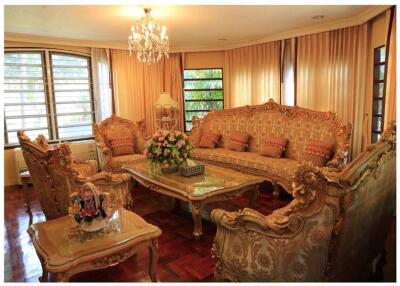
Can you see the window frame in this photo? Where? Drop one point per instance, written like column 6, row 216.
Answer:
column 376, row 98
column 50, row 101
column 201, row 89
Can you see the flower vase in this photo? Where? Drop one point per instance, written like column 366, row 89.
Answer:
column 169, row 168
column 94, row 225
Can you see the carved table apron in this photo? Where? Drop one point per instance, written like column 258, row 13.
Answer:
column 63, row 253
column 224, row 184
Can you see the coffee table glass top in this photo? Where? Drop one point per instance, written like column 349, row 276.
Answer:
column 214, row 179
column 62, row 240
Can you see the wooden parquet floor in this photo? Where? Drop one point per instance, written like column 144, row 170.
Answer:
column 181, row 257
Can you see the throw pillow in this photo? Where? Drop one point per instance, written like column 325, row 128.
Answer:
column 209, row 139
column 122, row 146
column 274, row 147
column 317, row 153
column 238, row 141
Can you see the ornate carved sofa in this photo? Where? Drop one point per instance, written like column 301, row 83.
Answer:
column 55, row 174
column 115, row 127
column 298, row 125
column 333, row 230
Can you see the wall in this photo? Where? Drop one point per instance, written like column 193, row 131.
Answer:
column 204, row 60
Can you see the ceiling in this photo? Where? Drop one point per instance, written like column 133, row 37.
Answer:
column 190, row 27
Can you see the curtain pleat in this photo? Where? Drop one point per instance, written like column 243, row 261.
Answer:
column 252, row 75
column 332, row 75
column 137, row 86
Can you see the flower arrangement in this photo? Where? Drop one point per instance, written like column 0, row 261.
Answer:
column 88, row 206
column 168, row 147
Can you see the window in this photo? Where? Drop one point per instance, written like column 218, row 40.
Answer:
column 378, row 102
column 47, row 93
column 203, row 91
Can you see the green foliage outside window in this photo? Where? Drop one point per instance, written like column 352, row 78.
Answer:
column 203, row 91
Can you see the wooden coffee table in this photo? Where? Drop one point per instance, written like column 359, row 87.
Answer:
column 217, row 184
column 64, row 250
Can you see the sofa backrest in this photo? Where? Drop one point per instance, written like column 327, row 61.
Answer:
column 298, row 125
column 116, row 127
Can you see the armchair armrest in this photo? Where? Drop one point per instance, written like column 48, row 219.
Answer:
column 105, row 156
column 119, row 186
column 85, row 168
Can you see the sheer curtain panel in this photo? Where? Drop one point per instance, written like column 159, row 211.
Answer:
column 252, row 75
column 137, row 86
column 332, row 76
column 101, row 83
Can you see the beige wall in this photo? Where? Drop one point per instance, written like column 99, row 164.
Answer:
column 10, row 168
column 204, row 60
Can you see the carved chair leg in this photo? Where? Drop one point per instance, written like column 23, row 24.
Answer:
column 254, row 196
column 61, row 277
column 276, row 190
column 196, row 214
column 153, row 260
column 45, row 274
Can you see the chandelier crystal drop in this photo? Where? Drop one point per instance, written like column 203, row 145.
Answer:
column 148, row 40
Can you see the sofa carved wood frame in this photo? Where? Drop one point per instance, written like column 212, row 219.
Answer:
column 117, row 125
column 333, row 229
column 56, row 174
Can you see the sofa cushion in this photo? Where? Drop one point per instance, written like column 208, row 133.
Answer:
column 238, row 141
column 281, row 170
column 122, row 146
column 317, row 153
column 274, row 147
column 119, row 161
column 209, row 139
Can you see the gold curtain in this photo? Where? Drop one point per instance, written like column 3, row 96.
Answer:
column 137, row 86
column 390, row 96
column 252, row 75
column 332, row 76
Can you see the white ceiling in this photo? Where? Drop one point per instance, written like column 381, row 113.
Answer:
column 190, row 27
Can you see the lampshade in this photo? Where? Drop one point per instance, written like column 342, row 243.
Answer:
column 165, row 100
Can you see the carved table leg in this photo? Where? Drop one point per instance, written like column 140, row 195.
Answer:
column 153, row 251
column 254, row 196
column 198, row 229
column 45, row 274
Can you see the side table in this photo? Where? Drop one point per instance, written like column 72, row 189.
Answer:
column 25, row 178
column 64, row 250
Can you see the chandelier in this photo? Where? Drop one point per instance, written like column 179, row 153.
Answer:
column 148, row 40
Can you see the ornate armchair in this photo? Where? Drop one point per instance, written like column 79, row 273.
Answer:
column 48, row 170
column 333, row 230
column 118, row 127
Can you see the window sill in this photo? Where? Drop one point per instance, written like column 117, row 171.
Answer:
column 51, row 142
